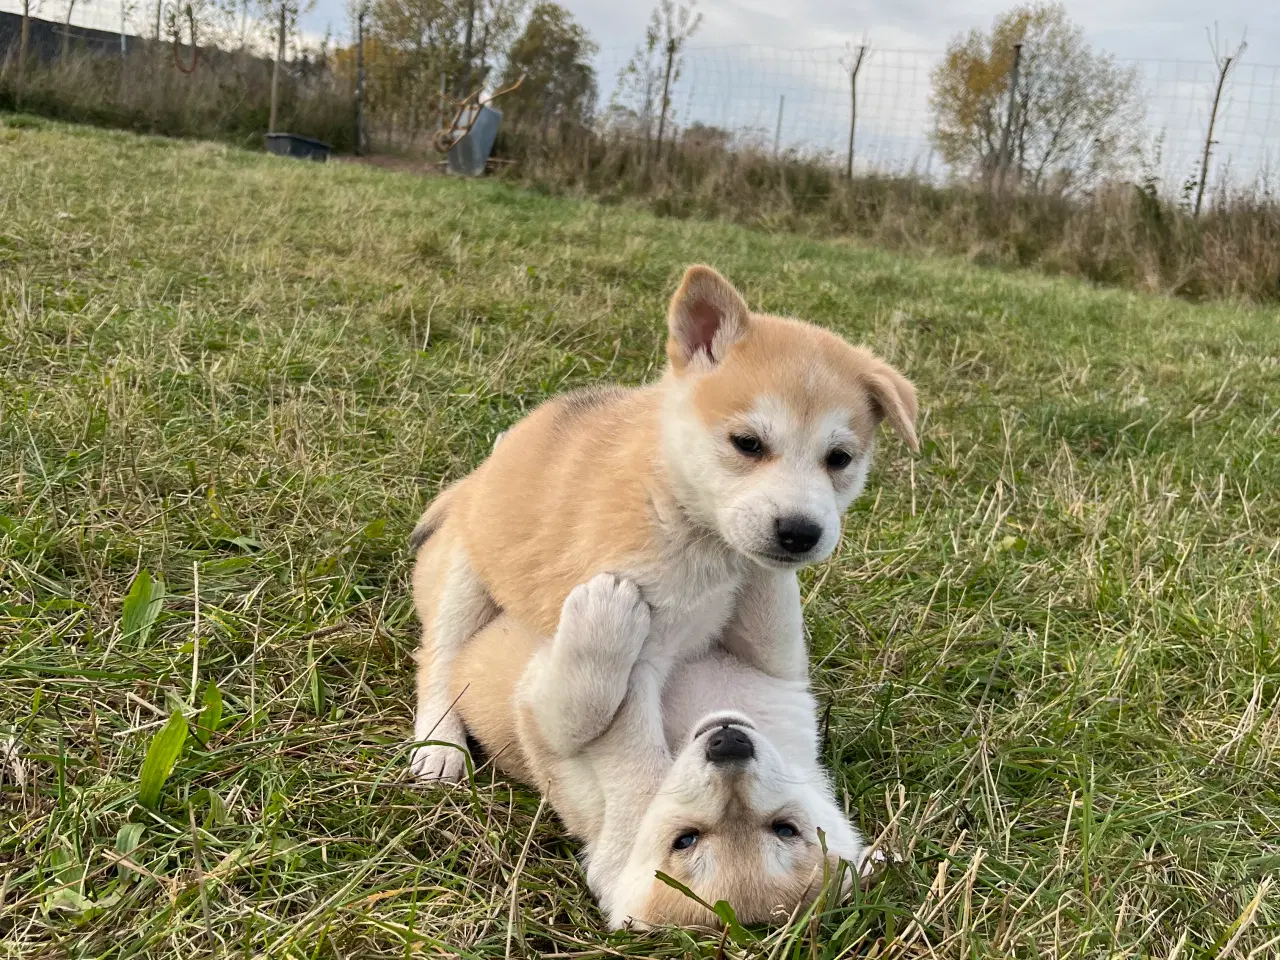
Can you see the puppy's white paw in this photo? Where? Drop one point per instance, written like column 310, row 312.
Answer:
column 604, row 618
column 439, row 762
column 575, row 693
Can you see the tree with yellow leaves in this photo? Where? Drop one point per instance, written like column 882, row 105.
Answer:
column 1073, row 118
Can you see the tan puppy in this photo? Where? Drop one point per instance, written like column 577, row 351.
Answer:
column 735, row 813
column 708, row 489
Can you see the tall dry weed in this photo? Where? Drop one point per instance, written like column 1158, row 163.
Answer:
column 226, row 97
column 1123, row 234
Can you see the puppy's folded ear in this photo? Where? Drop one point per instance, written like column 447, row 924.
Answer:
column 893, row 399
column 707, row 316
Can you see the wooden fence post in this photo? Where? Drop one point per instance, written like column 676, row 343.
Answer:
column 854, row 66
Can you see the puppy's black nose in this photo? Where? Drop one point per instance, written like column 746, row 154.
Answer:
column 729, row 744
column 797, row 534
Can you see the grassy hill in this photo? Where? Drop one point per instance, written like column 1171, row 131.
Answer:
column 1050, row 643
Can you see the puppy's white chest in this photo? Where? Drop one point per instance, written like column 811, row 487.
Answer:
column 692, row 599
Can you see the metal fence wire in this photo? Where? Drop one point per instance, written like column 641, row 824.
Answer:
column 799, row 100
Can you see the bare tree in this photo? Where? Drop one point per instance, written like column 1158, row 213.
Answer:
column 677, row 25
column 1224, row 62
column 655, row 66
column 852, row 61
column 1073, row 116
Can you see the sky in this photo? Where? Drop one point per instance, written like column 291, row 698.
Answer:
column 1163, row 29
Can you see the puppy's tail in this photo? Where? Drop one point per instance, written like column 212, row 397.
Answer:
column 436, row 513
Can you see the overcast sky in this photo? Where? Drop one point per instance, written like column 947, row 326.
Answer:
column 1164, row 29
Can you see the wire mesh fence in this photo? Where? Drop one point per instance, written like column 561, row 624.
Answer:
column 799, row 101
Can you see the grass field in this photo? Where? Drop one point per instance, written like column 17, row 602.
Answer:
column 1049, row 643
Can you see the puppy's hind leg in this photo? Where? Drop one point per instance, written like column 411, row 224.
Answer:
column 452, row 604
column 577, row 683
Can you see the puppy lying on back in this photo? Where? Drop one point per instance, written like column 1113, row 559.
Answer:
column 736, row 810
column 708, row 489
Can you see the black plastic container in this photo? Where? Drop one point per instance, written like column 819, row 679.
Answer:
column 292, row 145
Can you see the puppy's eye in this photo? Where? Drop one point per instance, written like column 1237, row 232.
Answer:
column 686, row 840
column 838, row 459
column 785, row 831
column 747, row 445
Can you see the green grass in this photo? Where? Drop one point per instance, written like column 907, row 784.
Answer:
column 1049, row 643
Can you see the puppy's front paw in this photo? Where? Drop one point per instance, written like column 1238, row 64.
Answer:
column 604, row 617
column 439, row 762
column 576, row 692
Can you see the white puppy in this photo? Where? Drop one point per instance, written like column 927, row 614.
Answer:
column 736, row 808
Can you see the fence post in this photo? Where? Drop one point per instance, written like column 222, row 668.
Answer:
column 1002, row 162
column 777, row 131
column 275, row 69
column 123, row 12
column 66, row 33
column 928, row 163
column 360, row 81
column 1224, row 67
column 23, row 42
column 854, row 67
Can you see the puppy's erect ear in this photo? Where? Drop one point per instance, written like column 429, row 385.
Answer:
column 707, row 315
column 893, row 398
